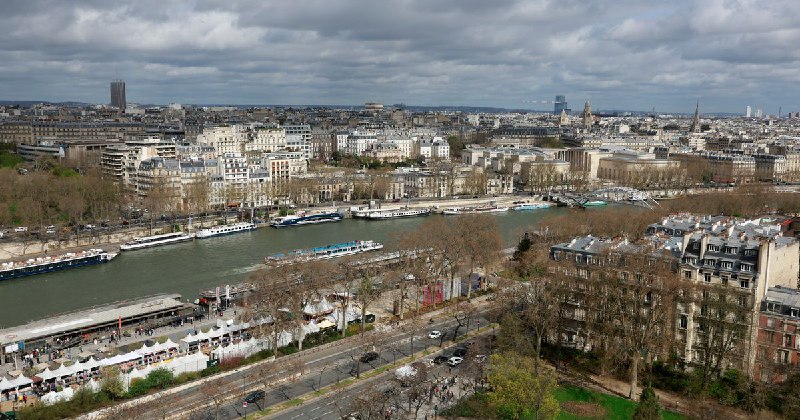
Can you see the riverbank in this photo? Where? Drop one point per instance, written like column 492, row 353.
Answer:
column 17, row 250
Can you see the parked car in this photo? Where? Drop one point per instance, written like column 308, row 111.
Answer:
column 434, row 334
column 455, row 361
column 460, row 352
column 480, row 358
column 19, row 229
column 254, row 396
column 369, row 356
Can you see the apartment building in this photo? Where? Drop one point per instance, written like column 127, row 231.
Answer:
column 729, row 265
column 778, row 335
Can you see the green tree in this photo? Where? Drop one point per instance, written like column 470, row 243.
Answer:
column 517, row 392
column 648, row 408
column 111, row 384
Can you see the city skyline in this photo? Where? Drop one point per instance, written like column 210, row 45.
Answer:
column 515, row 55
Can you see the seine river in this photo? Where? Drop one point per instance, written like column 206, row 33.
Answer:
column 189, row 267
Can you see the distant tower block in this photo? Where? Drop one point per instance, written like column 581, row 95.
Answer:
column 560, row 104
column 696, row 120
column 747, row 111
column 587, row 116
column 118, row 95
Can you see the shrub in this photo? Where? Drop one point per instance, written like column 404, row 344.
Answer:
column 138, row 387
column 111, row 385
column 211, row 370
column 160, row 378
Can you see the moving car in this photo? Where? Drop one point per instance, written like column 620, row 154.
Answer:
column 254, row 396
column 440, row 359
column 369, row 356
column 455, row 361
column 434, row 334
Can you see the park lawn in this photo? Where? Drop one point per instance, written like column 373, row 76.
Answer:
column 616, row 407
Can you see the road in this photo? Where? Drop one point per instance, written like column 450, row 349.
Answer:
column 320, row 367
column 335, row 405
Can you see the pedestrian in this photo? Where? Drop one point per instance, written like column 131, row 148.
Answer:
column 25, row 398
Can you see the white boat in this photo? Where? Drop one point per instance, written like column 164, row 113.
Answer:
column 41, row 265
column 474, row 210
column 225, row 230
column 322, row 252
column 306, row 219
column 396, row 213
column 156, row 240
column 534, row 206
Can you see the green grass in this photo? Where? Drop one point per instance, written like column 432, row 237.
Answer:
column 616, row 407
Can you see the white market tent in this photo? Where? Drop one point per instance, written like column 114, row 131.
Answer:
column 122, row 358
column 91, row 363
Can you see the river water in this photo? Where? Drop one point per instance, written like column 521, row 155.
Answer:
column 187, row 268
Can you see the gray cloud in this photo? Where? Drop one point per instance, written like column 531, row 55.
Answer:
column 624, row 54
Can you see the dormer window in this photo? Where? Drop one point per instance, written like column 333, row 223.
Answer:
column 726, row 264
column 794, row 312
column 750, row 252
column 747, row 267
column 774, row 307
column 731, row 250
column 712, row 248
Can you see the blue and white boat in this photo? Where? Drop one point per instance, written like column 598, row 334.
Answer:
column 41, row 265
column 531, row 206
column 322, row 252
column 307, row 219
column 225, row 230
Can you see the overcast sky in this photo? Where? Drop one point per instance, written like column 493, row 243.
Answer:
column 618, row 54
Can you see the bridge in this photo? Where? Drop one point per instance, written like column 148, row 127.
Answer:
column 623, row 195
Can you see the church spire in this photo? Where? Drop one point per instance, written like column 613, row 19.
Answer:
column 587, row 116
column 696, row 121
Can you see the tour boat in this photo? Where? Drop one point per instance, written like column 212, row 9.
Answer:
column 40, row 265
column 156, row 240
column 225, row 230
column 308, row 219
column 322, row 252
column 474, row 210
column 396, row 213
column 534, row 206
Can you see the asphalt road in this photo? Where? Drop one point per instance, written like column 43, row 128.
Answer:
column 321, row 367
column 335, row 405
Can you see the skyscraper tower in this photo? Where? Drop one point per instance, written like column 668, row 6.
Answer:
column 560, row 104
column 747, row 111
column 587, row 116
column 696, row 121
column 118, row 94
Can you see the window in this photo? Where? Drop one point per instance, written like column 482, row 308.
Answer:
column 725, row 280
column 704, row 310
column 787, row 340
column 696, row 246
column 687, row 274
column 744, row 284
column 770, row 323
column 731, row 250
column 684, row 322
column 774, row 307
column 707, row 278
column 648, row 297
column 705, row 294
column 794, row 312
column 726, row 265
column 712, row 248
column 742, row 300
column 750, row 252
column 746, row 267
